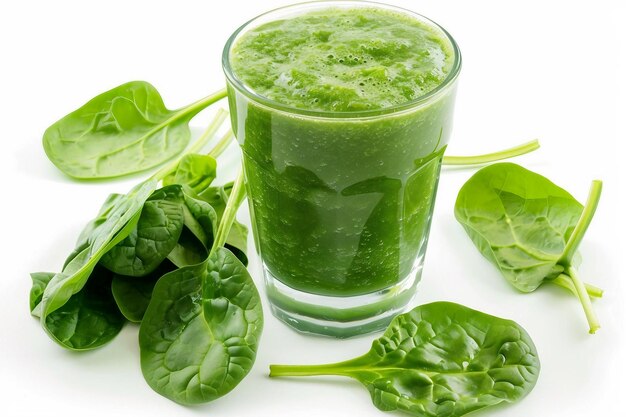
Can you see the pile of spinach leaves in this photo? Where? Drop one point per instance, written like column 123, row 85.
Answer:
column 170, row 259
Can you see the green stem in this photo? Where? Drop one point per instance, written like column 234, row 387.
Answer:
column 583, row 223
column 308, row 370
column 583, row 296
column 201, row 104
column 232, row 205
column 200, row 143
column 564, row 281
column 492, row 157
column 221, row 146
column 572, row 246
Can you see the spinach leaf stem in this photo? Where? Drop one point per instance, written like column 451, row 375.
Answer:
column 204, row 138
column 570, row 249
column 494, row 156
column 232, row 205
column 583, row 223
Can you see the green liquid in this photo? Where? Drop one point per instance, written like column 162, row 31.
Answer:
column 342, row 206
column 342, row 60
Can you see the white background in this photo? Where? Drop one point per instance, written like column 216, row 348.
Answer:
column 542, row 69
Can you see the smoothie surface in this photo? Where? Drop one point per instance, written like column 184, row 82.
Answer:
column 344, row 60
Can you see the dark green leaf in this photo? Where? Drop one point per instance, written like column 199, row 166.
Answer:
column 124, row 130
column 199, row 336
column 189, row 250
column 154, row 237
column 200, row 224
column 90, row 318
column 132, row 295
column 440, row 359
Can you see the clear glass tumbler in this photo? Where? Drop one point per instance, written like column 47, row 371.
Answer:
column 341, row 202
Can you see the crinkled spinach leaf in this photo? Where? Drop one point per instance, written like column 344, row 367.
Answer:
column 200, row 333
column 154, row 237
column 440, row 359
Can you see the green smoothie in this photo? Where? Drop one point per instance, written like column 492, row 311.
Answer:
column 343, row 120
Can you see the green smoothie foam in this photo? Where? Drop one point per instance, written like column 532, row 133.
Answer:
column 342, row 60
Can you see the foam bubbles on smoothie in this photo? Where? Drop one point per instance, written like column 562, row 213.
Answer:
column 342, row 59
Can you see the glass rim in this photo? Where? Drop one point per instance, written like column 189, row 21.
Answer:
column 427, row 98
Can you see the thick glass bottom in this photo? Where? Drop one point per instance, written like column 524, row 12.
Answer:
column 340, row 317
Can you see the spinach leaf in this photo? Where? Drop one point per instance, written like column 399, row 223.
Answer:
column 189, row 250
column 154, row 237
column 90, row 318
column 199, row 336
column 194, row 171
column 124, row 130
column 528, row 227
column 132, row 294
column 440, row 359
column 195, row 242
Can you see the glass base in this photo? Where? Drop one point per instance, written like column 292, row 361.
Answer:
column 340, row 317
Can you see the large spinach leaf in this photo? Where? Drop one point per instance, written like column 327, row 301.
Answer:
column 528, row 227
column 440, row 359
column 199, row 336
column 124, row 130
